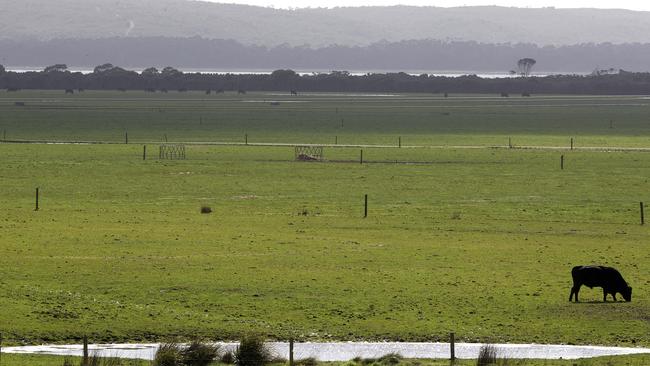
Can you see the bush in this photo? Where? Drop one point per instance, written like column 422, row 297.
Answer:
column 206, row 209
column 252, row 351
column 169, row 354
column 199, row 353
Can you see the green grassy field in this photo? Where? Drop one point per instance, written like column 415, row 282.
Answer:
column 476, row 241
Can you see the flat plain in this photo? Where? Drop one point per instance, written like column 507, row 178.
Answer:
column 479, row 241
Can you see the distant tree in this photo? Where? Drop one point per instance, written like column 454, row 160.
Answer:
column 525, row 65
column 151, row 71
column 170, row 71
column 56, row 68
column 103, row 68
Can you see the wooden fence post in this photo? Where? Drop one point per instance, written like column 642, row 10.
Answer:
column 510, row 142
column 365, row 207
column 126, row 137
column 4, row 135
column 452, row 346
column 36, row 208
column 562, row 162
column 399, row 142
column 246, row 139
column 361, row 157
column 336, row 140
column 642, row 214
column 85, row 352
column 571, row 143
column 291, row 352
column 144, row 152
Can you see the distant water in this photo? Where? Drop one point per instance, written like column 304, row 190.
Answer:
column 447, row 73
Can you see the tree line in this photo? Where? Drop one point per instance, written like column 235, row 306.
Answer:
column 425, row 55
column 110, row 77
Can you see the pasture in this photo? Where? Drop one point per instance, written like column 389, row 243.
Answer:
column 477, row 241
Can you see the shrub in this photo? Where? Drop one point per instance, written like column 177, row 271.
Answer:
column 252, row 351
column 199, row 353
column 487, row 355
column 206, row 209
column 169, row 354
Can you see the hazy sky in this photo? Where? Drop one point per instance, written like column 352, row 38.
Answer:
column 608, row 4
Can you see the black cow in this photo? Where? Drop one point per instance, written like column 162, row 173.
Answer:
column 600, row 276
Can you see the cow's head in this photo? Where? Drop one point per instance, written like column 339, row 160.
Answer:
column 627, row 293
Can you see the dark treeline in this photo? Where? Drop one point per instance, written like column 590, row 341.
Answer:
column 426, row 55
column 109, row 77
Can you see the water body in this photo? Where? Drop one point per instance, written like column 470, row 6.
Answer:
column 350, row 350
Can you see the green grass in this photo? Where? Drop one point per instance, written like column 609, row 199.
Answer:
column 480, row 242
column 475, row 241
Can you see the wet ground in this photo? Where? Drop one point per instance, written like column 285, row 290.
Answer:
column 348, row 351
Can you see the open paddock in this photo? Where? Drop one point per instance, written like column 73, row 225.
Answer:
column 479, row 241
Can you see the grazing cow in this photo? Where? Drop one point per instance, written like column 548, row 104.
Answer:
column 524, row 94
column 505, row 95
column 600, row 276
column 69, row 91
column 294, row 92
column 241, row 91
column 208, row 92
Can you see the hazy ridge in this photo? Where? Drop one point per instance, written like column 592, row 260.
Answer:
column 249, row 25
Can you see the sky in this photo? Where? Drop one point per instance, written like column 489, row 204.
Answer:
column 606, row 4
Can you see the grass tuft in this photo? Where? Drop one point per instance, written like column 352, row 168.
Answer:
column 487, row 355
column 252, row 351
column 200, row 353
column 169, row 354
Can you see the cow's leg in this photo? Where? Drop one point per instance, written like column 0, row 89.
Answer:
column 614, row 296
column 604, row 295
column 574, row 291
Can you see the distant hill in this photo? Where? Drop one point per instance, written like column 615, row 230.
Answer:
column 249, row 25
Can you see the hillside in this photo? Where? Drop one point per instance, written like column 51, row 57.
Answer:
column 249, row 25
